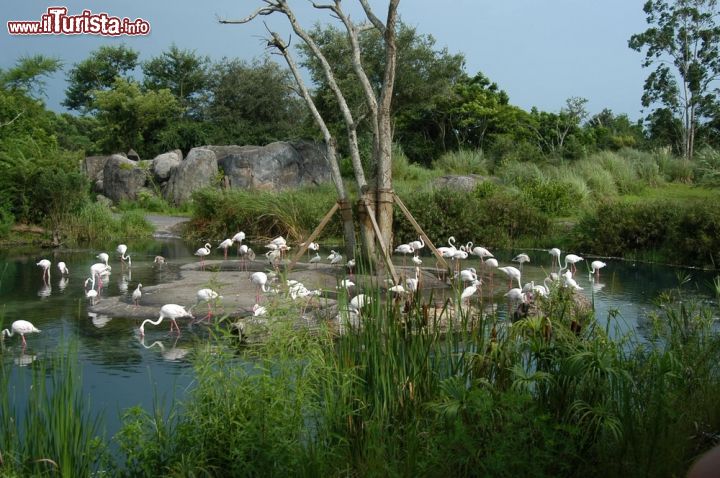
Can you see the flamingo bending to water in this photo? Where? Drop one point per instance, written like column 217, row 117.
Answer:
column 168, row 311
column 21, row 327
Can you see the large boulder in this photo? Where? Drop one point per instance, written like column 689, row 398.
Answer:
column 279, row 165
column 199, row 169
column 163, row 164
column 122, row 178
column 93, row 167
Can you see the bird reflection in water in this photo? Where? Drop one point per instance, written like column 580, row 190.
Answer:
column 63, row 283
column 99, row 320
column 173, row 354
column 45, row 291
column 23, row 360
column 123, row 284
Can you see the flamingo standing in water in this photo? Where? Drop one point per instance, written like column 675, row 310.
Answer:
column 417, row 245
column 103, row 257
column 20, row 327
column 512, row 273
column 224, row 245
column 202, row 252
column 522, row 259
column 45, row 264
column 469, row 291
column 316, row 258
column 555, row 253
column 92, row 293
column 572, row 259
column 491, row 264
column 122, row 249
column 99, row 269
column 207, row 296
column 259, row 280
column 596, row 266
column 245, row 252
column 239, row 237
column 168, row 311
column 63, row 269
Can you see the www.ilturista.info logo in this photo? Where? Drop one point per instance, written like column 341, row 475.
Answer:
column 57, row 22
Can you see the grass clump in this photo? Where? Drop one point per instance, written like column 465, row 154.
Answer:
column 463, row 161
column 95, row 223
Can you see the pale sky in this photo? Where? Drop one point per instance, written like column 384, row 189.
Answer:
column 540, row 52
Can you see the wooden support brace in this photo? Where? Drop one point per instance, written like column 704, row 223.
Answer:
column 420, row 231
column 383, row 248
column 313, row 236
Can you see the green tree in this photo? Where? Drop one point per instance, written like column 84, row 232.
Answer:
column 682, row 44
column 252, row 103
column 131, row 118
column 183, row 72
column 98, row 73
column 610, row 131
column 559, row 134
column 28, row 74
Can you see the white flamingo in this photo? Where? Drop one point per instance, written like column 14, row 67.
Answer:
column 596, row 266
column 572, row 259
column 202, row 252
column 259, row 280
column 21, row 327
column 137, row 294
column 555, row 253
column 224, row 245
column 168, row 311
column 512, row 273
column 207, row 296
column 417, row 245
column 45, row 264
column 103, row 257
column 122, row 249
column 63, row 268
column 522, row 259
column 469, row 291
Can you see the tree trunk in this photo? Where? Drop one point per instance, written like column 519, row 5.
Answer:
column 384, row 197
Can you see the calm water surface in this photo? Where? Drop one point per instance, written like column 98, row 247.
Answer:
column 119, row 370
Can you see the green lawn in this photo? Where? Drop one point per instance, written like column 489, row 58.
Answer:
column 675, row 191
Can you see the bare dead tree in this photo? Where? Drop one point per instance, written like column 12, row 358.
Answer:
column 281, row 47
column 379, row 107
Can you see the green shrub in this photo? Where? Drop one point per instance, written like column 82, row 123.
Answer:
column 6, row 221
column 600, row 181
column 516, row 174
column 707, row 169
column 622, row 171
column 555, row 198
column 682, row 234
column 675, row 169
column 95, row 223
column 464, row 161
column 262, row 214
column 403, row 170
column 486, row 216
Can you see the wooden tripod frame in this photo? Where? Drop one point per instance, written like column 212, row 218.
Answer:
column 378, row 236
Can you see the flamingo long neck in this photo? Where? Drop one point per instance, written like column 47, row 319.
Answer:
column 154, row 322
column 8, row 332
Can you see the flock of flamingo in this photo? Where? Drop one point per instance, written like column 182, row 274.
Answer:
column 278, row 247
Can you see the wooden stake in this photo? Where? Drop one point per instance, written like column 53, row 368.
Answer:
column 312, row 237
column 378, row 236
column 420, row 231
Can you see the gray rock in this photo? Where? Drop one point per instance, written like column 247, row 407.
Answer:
column 163, row 164
column 199, row 169
column 276, row 166
column 462, row 183
column 93, row 166
column 133, row 155
column 103, row 200
column 122, row 178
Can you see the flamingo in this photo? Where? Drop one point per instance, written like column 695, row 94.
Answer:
column 417, row 245
column 259, row 310
column 259, row 280
column 63, row 269
column 202, row 252
column 103, row 257
column 239, row 237
column 459, row 255
column 224, row 245
column 159, row 260
column 596, row 266
column 244, row 251
column 481, row 252
column 122, row 249
column 572, row 259
column 555, row 253
column 521, row 258
column 168, row 311
column 468, row 275
column 316, row 258
column 21, row 327
column 335, row 257
column 99, row 269
column 207, row 296
column 358, row 302
column 417, row 261
column 45, row 264
column 313, row 246
column 470, row 290
column 515, row 296
column 492, row 264
column 404, row 249
column 92, row 293
column 351, row 265
column 137, row 293
column 512, row 273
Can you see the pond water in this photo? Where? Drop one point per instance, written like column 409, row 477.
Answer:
column 119, row 370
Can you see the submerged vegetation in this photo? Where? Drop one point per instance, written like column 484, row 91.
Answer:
column 557, row 394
